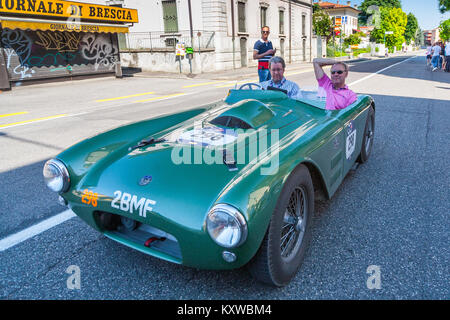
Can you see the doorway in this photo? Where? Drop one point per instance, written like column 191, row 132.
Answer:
column 243, row 48
column 304, row 49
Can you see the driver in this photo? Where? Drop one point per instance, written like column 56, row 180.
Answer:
column 276, row 67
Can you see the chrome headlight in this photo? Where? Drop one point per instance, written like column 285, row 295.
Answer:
column 226, row 226
column 56, row 176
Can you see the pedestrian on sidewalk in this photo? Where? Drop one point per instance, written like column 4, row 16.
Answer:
column 436, row 53
column 429, row 55
column 263, row 51
column 447, row 57
column 442, row 56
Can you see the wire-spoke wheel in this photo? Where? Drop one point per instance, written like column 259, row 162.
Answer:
column 369, row 132
column 294, row 220
column 283, row 248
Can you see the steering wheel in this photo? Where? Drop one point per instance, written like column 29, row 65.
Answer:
column 250, row 85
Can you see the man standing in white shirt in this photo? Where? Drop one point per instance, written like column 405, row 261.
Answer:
column 436, row 53
column 447, row 57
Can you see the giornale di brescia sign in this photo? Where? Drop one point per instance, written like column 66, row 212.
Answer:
column 68, row 9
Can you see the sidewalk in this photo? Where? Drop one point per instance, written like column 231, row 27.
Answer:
column 241, row 73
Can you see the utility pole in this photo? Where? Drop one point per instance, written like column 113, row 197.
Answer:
column 310, row 33
column 232, row 31
column 290, row 33
column 192, row 35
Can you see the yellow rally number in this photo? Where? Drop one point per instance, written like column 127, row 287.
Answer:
column 89, row 197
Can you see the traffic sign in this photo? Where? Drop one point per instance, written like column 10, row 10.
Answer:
column 180, row 49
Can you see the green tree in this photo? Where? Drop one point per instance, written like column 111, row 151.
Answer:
column 411, row 27
column 352, row 39
column 364, row 6
column 444, row 29
column 316, row 7
column 392, row 19
column 322, row 24
column 444, row 5
column 419, row 39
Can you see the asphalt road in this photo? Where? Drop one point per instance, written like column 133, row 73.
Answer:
column 391, row 213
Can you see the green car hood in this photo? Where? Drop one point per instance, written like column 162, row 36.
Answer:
column 187, row 169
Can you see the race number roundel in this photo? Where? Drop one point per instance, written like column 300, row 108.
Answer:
column 350, row 142
column 209, row 136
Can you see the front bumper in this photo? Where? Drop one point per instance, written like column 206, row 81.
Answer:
column 184, row 245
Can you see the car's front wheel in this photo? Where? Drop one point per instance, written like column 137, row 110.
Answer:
column 283, row 248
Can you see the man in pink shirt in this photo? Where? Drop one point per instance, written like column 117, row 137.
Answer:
column 339, row 96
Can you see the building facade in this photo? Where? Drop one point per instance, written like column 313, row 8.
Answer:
column 49, row 39
column 431, row 36
column 343, row 16
column 223, row 33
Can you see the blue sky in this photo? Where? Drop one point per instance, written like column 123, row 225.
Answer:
column 426, row 11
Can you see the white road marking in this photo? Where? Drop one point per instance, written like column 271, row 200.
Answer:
column 34, row 230
column 379, row 71
column 45, row 225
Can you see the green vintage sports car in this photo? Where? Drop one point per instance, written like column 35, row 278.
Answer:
column 220, row 186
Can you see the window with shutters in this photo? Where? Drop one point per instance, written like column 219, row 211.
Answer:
column 170, row 16
column 241, row 17
column 303, row 25
column 281, row 14
column 263, row 16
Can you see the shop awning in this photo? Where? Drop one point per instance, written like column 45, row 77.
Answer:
column 54, row 25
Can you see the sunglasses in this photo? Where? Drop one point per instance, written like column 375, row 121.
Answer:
column 265, row 31
column 338, row 72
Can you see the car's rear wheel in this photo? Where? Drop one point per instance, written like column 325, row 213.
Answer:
column 283, row 248
column 369, row 132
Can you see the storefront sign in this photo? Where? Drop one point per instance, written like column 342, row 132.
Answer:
column 70, row 27
column 68, row 9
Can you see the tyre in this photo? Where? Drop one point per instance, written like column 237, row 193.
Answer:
column 369, row 132
column 287, row 238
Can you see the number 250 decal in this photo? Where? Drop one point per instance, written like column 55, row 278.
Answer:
column 89, row 197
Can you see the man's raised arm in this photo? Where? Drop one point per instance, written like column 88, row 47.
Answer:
column 318, row 63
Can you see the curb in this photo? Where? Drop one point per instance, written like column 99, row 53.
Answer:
column 236, row 74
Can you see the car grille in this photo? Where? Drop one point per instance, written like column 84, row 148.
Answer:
column 144, row 236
